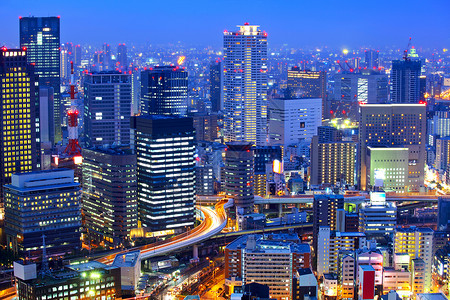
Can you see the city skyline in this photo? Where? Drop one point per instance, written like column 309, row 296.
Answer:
column 201, row 22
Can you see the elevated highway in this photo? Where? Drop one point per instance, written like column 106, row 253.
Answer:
column 213, row 223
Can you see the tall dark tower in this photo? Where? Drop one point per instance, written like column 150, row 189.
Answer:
column 215, row 85
column 405, row 78
column 18, row 118
column 165, row 150
column 371, row 59
column 164, row 91
column 41, row 37
column 122, row 57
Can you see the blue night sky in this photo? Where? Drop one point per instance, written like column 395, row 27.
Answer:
column 297, row 23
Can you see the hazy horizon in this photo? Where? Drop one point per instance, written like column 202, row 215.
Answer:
column 352, row 25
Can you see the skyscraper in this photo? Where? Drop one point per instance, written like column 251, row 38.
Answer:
column 122, row 59
column 107, row 111
column 164, row 91
column 41, row 37
column 393, row 125
column 164, row 148
column 371, row 59
column 245, row 85
column 19, row 117
column 109, row 193
column 405, row 78
column 215, row 85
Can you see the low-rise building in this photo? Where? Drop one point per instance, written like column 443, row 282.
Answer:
column 270, row 259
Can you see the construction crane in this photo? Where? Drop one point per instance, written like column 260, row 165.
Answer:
column 405, row 53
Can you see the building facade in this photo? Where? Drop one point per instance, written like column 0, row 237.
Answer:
column 405, row 78
column 19, row 120
column 239, row 176
column 272, row 260
column 394, row 125
column 216, row 85
column 107, row 108
column 294, row 120
column 109, row 194
column 164, row 91
column 332, row 162
column 40, row 36
column 57, row 198
column 164, row 147
column 245, row 85
column 417, row 243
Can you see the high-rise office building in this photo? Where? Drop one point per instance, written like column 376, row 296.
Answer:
column 307, row 84
column 271, row 259
column 245, row 85
column 164, row 148
column 107, row 111
column 109, row 194
column 417, row 243
column 19, row 120
column 77, row 56
column 164, row 91
column 41, row 37
column 325, row 213
column 405, row 78
column 43, row 203
column 294, row 120
column 122, row 59
column 216, row 85
column 239, row 175
column 351, row 89
column 394, row 125
column 371, row 60
column 332, row 162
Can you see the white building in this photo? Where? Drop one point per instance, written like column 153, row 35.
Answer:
column 397, row 280
column 294, row 120
column 347, row 274
column 373, row 258
column 245, row 85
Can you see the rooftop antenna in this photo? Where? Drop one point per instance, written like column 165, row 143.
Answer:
column 45, row 270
